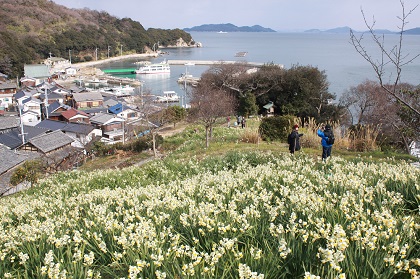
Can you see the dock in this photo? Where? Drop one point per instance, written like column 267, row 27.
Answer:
column 210, row 62
column 120, row 71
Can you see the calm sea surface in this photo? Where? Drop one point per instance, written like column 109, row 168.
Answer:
column 332, row 53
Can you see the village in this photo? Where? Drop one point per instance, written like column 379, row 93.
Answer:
column 49, row 115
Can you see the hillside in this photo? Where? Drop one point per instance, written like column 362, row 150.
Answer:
column 228, row 27
column 31, row 30
column 236, row 210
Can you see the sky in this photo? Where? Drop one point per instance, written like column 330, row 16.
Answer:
column 280, row 15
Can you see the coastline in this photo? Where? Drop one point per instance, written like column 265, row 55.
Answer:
column 116, row 58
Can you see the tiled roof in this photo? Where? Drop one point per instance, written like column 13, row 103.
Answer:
column 89, row 96
column 13, row 138
column 72, row 112
column 36, row 71
column 8, row 122
column 9, row 159
column 8, row 85
column 51, row 141
column 54, row 125
column 101, row 118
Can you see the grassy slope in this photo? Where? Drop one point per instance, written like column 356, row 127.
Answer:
column 191, row 138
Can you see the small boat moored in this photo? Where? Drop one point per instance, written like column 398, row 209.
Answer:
column 168, row 97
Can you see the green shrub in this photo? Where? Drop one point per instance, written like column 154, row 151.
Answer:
column 29, row 171
column 276, row 128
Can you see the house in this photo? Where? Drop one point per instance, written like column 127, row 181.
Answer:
column 88, row 100
column 55, row 109
column 32, row 104
column 47, row 143
column 110, row 125
column 81, row 133
column 30, row 118
column 39, row 72
column 9, row 161
column 75, row 116
column 70, row 71
column 269, row 109
column 52, row 97
column 123, row 111
column 28, row 82
column 55, row 149
column 8, row 123
column 20, row 96
column 7, row 90
column 13, row 139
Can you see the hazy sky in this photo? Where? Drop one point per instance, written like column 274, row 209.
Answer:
column 280, row 15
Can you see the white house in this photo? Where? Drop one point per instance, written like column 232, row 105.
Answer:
column 30, row 118
column 70, row 71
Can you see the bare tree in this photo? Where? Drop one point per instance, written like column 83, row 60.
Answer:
column 150, row 112
column 393, row 57
column 361, row 100
column 208, row 105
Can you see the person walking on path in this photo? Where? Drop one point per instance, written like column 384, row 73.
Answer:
column 243, row 122
column 294, row 139
column 327, row 141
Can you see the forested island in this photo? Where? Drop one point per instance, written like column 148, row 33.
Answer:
column 32, row 30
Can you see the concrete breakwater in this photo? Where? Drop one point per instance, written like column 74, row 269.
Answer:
column 212, row 62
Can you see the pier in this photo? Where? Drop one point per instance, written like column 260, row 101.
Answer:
column 213, row 62
column 120, row 71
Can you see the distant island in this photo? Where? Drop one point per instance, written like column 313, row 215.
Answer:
column 346, row 30
column 227, row 27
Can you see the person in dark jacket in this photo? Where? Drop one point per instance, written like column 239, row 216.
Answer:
column 326, row 148
column 294, row 139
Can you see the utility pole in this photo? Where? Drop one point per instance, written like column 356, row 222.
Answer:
column 70, row 55
column 96, row 54
column 121, row 50
column 108, row 50
column 46, row 100
column 22, row 132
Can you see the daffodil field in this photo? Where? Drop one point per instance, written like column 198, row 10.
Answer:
column 242, row 215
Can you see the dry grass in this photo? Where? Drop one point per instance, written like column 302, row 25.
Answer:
column 362, row 138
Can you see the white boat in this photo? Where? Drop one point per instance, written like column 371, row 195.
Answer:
column 188, row 79
column 158, row 68
column 120, row 91
column 168, row 97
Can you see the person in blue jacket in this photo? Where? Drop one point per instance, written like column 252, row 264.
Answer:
column 325, row 134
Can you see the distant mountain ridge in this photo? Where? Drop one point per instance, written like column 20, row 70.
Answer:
column 346, row 29
column 228, row 27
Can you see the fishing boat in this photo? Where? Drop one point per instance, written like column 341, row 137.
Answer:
column 168, row 97
column 158, row 68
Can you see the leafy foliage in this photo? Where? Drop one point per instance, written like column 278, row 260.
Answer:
column 276, row 128
column 30, row 171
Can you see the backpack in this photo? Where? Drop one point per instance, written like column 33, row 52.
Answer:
column 289, row 139
column 330, row 137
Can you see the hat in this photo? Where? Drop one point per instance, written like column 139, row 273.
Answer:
column 327, row 127
column 295, row 126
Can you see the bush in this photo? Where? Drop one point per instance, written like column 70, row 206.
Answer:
column 29, row 171
column 140, row 144
column 276, row 128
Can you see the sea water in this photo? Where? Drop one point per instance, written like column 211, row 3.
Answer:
column 332, row 53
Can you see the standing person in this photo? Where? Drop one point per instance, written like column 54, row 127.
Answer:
column 243, row 122
column 228, row 121
column 294, row 139
column 327, row 141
